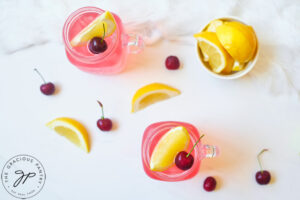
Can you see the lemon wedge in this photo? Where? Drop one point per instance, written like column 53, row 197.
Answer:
column 104, row 23
column 175, row 140
column 238, row 39
column 151, row 94
column 214, row 53
column 213, row 25
column 72, row 130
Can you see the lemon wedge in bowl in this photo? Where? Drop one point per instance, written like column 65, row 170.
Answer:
column 213, row 25
column 214, row 53
column 238, row 39
column 151, row 94
column 175, row 140
column 71, row 129
column 104, row 25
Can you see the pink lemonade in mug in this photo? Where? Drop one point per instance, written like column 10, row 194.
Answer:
column 152, row 136
column 119, row 44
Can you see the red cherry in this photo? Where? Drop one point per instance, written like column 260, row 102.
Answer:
column 263, row 177
column 172, row 63
column 183, row 161
column 46, row 88
column 97, row 45
column 104, row 124
column 209, row 184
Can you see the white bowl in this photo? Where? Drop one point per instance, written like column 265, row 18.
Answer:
column 233, row 75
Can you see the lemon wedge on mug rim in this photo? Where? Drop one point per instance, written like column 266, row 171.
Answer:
column 175, row 140
column 103, row 25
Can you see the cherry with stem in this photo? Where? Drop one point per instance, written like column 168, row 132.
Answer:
column 104, row 124
column 47, row 88
column 98, row 44
column 184, row 160
column 262, row 177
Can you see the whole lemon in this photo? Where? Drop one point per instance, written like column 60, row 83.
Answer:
column 238, row 39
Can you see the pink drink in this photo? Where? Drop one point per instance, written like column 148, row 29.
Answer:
column 109, row 62
column 151, row 137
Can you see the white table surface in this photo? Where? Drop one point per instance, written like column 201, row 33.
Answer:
column 240, row 116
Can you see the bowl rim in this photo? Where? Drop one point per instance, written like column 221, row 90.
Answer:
column 236, row 75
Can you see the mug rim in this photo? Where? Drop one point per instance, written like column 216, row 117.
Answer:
column 250, row 64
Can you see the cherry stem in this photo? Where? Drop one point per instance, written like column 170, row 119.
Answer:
column 103, row 33
column 195, row 145
column 101, row 109
column 37, row 71
column 258, row 155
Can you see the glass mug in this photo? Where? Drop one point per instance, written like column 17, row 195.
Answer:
column 119, row 44
column 152, row 135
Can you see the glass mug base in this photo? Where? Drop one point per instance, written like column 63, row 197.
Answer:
column 113, row 60
column 152, row 135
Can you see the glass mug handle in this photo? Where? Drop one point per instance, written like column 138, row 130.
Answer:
column 135, row 43
column 210, row 151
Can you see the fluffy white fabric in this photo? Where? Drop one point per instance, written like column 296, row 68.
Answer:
column 25, row 23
